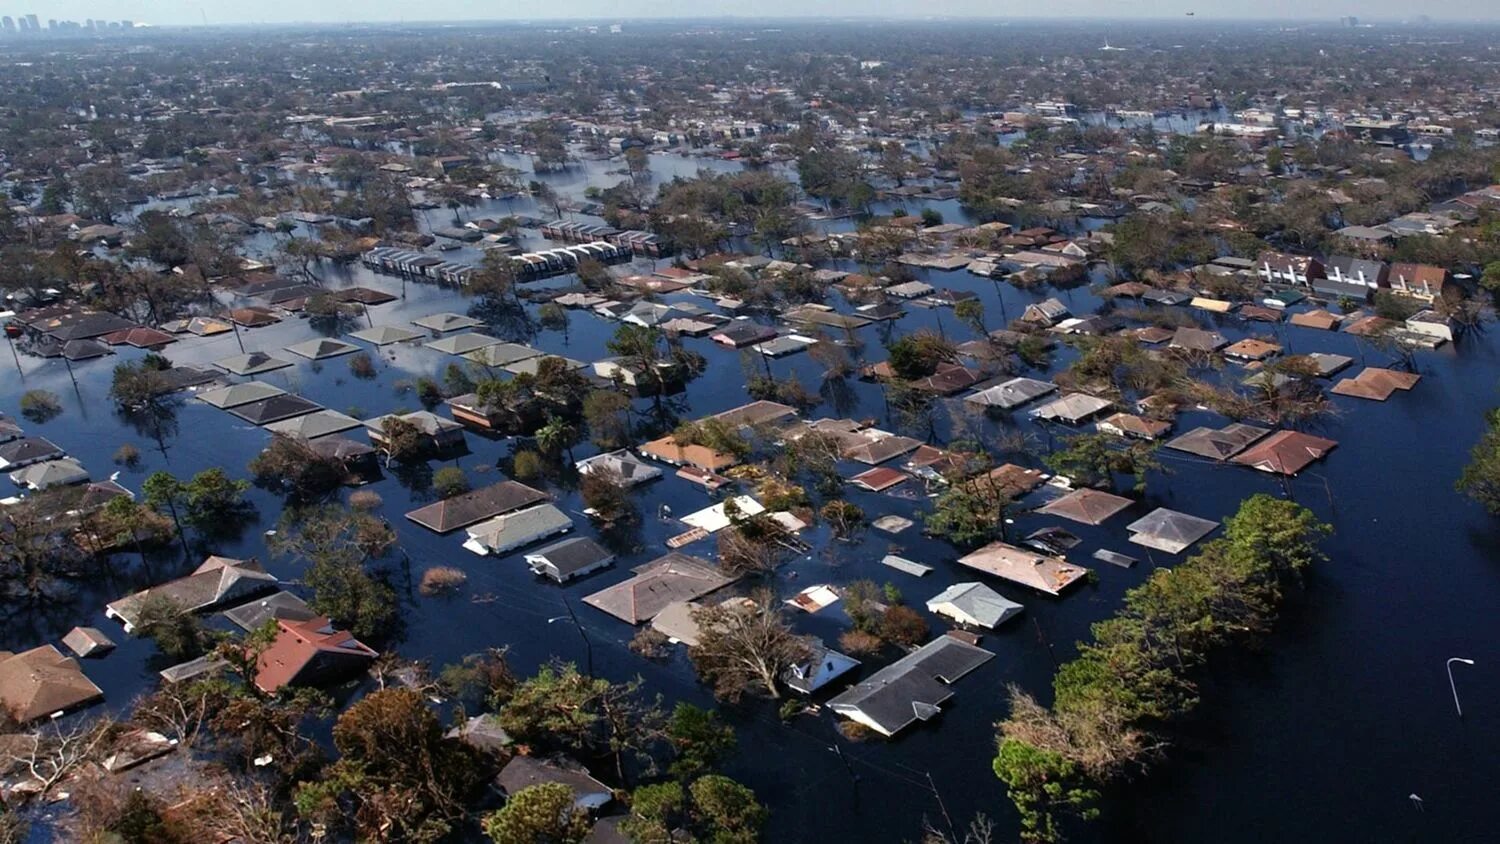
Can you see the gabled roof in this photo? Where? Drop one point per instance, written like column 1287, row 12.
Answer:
column 463, row 510
column 1072, row 408
column 40, row 682
column 503, row 354
column 631, row 469
column 911, row 688
column 309, row 652
column 219, row 580
column 1012, row 393
column 524, row 771
column 973, row 603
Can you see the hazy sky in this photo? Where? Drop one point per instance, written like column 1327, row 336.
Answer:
column 280, row 11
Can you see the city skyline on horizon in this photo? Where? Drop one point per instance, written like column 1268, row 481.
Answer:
column 282, row 12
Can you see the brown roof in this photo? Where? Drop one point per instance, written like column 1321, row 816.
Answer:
column 36, row 683
column 1028, row 568
column 1137, row 426
column 669, row 450
column 873, row 452
column 1015, row 481
column 1375, row 383
column 471, row 507
column 1285, row 452
column 1251, row 349
column 1089, row 506
column 879, row 478
column 1316, row 319
column 1368, row 326
column 306, row 652
column 673, row 577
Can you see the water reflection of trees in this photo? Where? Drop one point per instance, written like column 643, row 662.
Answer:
column 504, row 318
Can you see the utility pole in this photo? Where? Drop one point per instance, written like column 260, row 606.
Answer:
column 941, row 806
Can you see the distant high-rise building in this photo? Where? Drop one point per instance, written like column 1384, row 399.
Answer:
column 127, row 24
column 51, row 24
column 32, row 23
column 8, row 23
column 1349, row 20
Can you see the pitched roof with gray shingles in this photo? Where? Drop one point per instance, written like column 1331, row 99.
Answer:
column 252, row 363
column 1169, row 530
column 322, row 348
column 1012, row 393
column 911, row 688
column 319, row 423
column 235, row 395
column 217, row 581
column 446, row 322
column 984, row 605
column 462, row 344
column 384, row 335
column 672, row 577
column 463, row 510
column 274, row 409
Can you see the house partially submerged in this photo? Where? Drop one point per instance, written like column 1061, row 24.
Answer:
column 310, row 652
column 1285, row 452
column 507, row 532
column 1028, row 568
column 1085, row 505
column 631, row 469
column 1220, row 444
column 1073, row 409
column 1169, row 530
column 910, row 689
column 822, row 666
column 973, row 604
column 589, row 794
column 569, row 559
column 669, row 578
column 42, row 683
column 218, row 582
column 1011, row 394
column 450, row 514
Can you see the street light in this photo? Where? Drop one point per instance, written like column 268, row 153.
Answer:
column 588, row 647
column 1454, row 686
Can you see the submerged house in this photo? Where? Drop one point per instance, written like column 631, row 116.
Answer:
column 973, row 604
column 822, row 665
column 570, row 558
column 912, row 688
column 218, row 582
column 42, row 683
column 310, row 652
column 1041, row 572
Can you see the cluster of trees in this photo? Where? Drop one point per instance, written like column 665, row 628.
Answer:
column 1137, row 673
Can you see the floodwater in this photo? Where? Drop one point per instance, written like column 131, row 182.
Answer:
column 1320, row 735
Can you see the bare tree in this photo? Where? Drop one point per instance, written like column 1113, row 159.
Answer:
column 745, row 649
column 52, row 753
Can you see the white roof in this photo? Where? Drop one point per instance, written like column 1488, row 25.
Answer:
column 714, row 519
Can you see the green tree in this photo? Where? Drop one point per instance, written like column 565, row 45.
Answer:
column 215, row 503
column 1042, row 783
column 1095, row 459
column 1481, row 476
column 728, row 809
column 450, row 481
column 177, row 632
column 539, row 814
column 701, row 741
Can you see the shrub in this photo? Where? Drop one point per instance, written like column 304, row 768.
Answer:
column 904, row 626
column 441, row 579
column 429, row 393
column 40, row 405
column 527, row 465
column 859, row 643
column 362, row 365
column 449, row 481
column 127, row 455
column 650, row 643
column 854, row 731
column 366, row 500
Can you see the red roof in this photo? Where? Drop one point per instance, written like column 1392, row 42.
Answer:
column 1285, row 452
column 306, row 652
